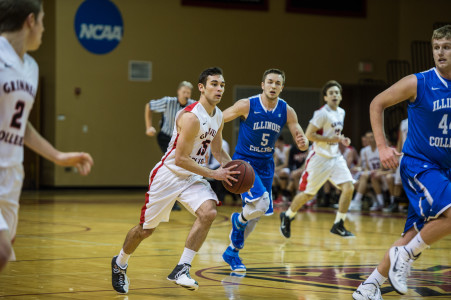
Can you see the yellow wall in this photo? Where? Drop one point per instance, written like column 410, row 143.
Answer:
column 181, row 41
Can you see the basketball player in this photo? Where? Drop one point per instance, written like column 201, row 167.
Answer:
column 168, row 106
column 262, row 118
column 21, row 27
column 178, row 177
column 425, row 166
column 325, row 161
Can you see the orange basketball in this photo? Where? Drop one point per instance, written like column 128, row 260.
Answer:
column 245, row 178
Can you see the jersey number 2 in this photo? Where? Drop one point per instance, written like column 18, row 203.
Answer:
column 15, row 122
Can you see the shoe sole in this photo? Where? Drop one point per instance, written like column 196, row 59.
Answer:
column 390, row 254
column 343, row 236
column 188, row 287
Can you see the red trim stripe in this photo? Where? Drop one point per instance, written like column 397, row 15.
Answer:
column 191, row 106
column 154, row 173
column 304, row 178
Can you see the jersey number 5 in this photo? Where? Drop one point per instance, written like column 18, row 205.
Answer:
column 15, row 122
column 265, row 139
column 204, row 147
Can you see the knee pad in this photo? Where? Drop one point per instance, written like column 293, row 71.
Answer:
column 257, row 208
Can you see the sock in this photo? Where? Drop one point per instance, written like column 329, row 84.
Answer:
column 416, row 246
column 242, row 219
column 340, row 216
column 187, row 256
column 233, row 247
column 290, row 213
column 392, row 199
column 376, row 278
column 122, row 259
column 358, row 197
column 380, row 199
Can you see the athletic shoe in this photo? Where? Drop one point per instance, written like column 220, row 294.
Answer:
column 376, row 207
column 180, row 276
column 391, row 208
column 355, row 206
column 339, row 229
column 367, row 291
column 119, row 277
column 237, row 233
column 399, row 269
column 231, row 257
column 285, row 225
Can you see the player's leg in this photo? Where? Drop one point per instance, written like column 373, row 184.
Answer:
column 356, row 203
column 376, row 183
column 5, row 243
column 201, row 201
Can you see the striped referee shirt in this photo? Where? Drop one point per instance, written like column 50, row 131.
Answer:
column 169, row 106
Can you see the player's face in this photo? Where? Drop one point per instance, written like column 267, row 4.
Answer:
column 370, row 139
column 272, row 86
column 36, row 30
column 214, row 89
column 184, row 93
column 441, row 50
column 333, row 97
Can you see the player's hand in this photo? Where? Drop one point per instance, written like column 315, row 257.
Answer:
column 81, row 160
column 225, row 174
column 151, row 131
column 301, row 141
column 345, row 141
column 389, row 157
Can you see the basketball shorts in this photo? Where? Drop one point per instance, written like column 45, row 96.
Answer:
column 264, row 175
column 319, row 169
column 428, row 188
column 165, row 187
column 398, row 180
column 11, row 180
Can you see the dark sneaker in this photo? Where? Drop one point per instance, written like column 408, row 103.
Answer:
column 391, row 208
column 339, row 229
column 237, row 233
column 120, row 280
column 368, row 291
column 285, row 225
column 231, row 257
column 180, row 276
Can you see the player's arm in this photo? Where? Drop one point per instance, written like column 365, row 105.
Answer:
column 296, row 130
column 188, row 126
column 217, row 150
column 33, row 140
column 239, row 109
column 150, row 130
column 405, row 89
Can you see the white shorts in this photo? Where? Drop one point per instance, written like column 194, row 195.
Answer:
column 11, row 180
column 397, row 179
column 319, row 169
column 165, row 187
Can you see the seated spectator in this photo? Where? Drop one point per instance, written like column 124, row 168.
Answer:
column 296, row 165
column 281, row 171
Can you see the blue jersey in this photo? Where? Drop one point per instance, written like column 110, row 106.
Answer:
column 429, row 129
column 259, row 132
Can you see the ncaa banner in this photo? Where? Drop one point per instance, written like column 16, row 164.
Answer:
column 98, row 26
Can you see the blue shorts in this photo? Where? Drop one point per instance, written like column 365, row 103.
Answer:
column 264, row 175
column 428, row 188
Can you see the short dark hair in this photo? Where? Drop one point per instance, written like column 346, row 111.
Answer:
column 330, row 84
column 443, row 32
column 273, row 71
column 209, row 72
column 13, row 13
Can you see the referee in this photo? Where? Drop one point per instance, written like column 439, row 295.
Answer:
column 168, row 106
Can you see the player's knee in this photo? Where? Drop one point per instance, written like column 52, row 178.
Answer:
column 208, row 215
column 348, row 187
column 262, row 205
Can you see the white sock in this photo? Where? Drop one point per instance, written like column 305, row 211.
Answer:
column 392, row 199
column 376, row 278
column 340, row 216
column 380, row 199
column 122, row 259
column 187, row 256
column 416, row 246
column 290, row 214
column 358, row 197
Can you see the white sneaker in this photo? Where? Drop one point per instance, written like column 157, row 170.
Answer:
column 367, row 291
column 355, row 206
column 180, row 276
column 376, row 207
column 399, row 269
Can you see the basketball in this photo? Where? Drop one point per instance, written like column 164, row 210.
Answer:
column 245, row 178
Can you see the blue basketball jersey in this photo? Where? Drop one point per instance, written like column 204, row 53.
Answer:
column 259, row 132
column 429, row 127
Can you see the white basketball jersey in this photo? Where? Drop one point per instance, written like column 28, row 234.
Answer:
column 371, row 158
column 330, row 123
column 18, row 86
column 209, row 126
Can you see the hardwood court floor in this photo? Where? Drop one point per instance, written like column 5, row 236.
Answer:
column 66, row 240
